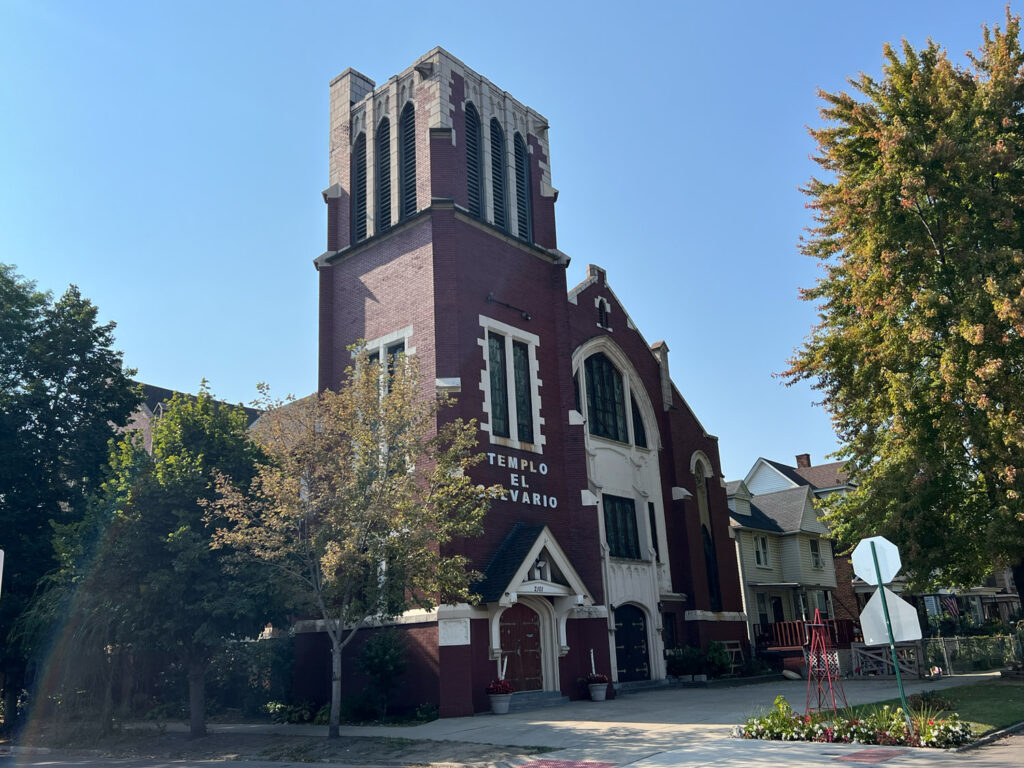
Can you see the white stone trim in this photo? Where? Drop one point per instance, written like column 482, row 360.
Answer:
column 380, row 344
column 532, row 341
column 714, row 616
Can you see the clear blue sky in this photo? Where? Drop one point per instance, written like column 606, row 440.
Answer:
column 168, row 158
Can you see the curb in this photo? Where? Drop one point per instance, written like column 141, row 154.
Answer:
column 989, row 738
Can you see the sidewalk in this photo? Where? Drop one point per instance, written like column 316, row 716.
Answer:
column 664, row 728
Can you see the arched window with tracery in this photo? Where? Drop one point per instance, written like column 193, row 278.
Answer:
column 702, row 476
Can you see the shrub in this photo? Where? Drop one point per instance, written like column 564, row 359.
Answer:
column 426, row 712
column 718, row 662
column 686, row 661
column 383, row 661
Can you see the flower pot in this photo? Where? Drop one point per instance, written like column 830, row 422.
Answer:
column 598, row 691
column 500, row 702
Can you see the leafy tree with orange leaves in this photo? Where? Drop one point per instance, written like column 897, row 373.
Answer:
column 920, row 350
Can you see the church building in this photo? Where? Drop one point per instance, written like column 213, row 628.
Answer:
column 612, row 542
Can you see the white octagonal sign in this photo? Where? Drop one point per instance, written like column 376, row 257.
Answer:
column 902, row 616
column 888, row 560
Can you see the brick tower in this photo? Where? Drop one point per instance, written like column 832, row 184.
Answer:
column 441, row 243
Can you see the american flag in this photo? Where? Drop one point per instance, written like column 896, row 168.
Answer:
column 951, row 605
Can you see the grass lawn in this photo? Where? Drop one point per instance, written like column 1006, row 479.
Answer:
column 986, row 706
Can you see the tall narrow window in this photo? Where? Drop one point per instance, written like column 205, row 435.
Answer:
column 620, row 527
column 359, row 189
column 474, row 162
column 499, row 384
column 653, row 519
column 523, row 212
column 524, row 405
column 606, row 404
column 639, row 433
column 498, row 175
column 382, row 151
column 407, row 162
column 815, row 553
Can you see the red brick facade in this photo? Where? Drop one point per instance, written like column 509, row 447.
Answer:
column 450, row 282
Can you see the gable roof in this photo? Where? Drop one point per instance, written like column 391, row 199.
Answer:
column 506, row 560
column 756, row 519
column 153, row 396
column 785, row 507
column 829, row 475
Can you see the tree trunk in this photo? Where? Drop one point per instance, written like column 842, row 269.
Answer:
column 332, row 731
column 196, row 699
column 1018, row 575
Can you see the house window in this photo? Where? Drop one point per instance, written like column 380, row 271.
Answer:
column 382, row 152
column 606, row 405
column 511, row 385
column 639, row 433
column 474, row 162
column 603, row 314
column 358, row 182
column 761, row 551
column 407, row 162
column 498, row 175
column 620, row 527
column 815, row 554
column 523, row 213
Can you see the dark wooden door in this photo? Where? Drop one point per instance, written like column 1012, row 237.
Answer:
column 520, row 644
column 631, row 656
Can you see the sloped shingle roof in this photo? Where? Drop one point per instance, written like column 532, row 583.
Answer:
column 506, row 561
column 785, row 507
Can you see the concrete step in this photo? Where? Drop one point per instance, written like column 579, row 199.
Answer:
column 526, row 700
column 636, row 686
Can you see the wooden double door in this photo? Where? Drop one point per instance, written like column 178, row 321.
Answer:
column 521, row 648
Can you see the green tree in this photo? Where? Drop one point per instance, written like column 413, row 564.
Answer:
column 63, row 392
column 145, row 556
column 362, row 494
column 920, row 348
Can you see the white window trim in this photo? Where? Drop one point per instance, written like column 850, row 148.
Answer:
column 821, row 561
column 532, row 341
column 381, row 343
column 764, row 554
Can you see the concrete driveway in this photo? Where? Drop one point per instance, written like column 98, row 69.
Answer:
column 644, row 726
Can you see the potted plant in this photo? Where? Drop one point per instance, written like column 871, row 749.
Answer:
column 687, row 662
column 700, row 667
column 500, row 693
column 598, row 686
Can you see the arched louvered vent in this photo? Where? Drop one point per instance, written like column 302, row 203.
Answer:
column 383, row 155
column 474, row 162
column 407, row 162
column 359, row 189
column 498, row 175
column 523, row 212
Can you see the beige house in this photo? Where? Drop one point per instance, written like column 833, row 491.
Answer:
column 784, row 557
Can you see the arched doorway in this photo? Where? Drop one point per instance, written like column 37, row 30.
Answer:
column 631, row 655
column 521, row 647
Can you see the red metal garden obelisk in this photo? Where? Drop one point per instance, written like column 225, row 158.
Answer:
column 824, row 682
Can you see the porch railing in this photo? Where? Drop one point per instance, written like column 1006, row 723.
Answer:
column 794, row 634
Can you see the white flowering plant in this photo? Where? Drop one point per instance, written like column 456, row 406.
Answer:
column 882, row 725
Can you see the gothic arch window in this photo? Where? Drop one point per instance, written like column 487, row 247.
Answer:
column 702, row 476
column 523, row 202
column 407, row 163
column 358, row 185
column 498, row 194
column 382, row 152
column 474, row 162
column 606, row 400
